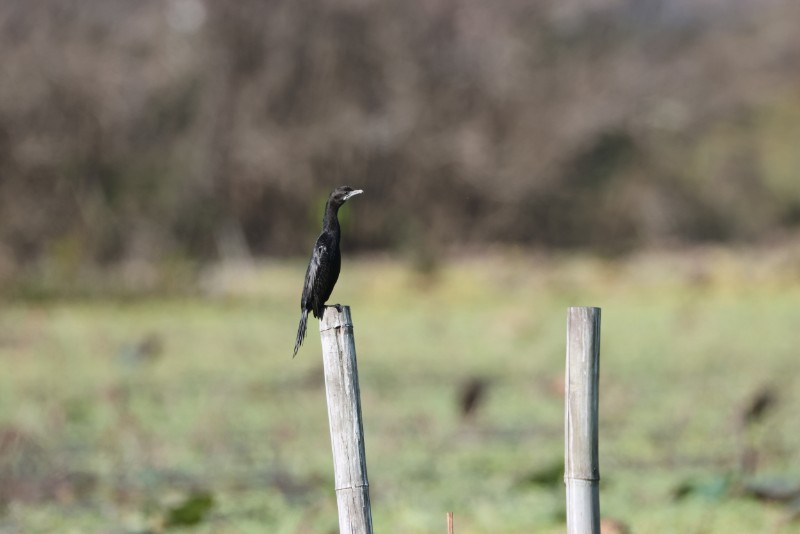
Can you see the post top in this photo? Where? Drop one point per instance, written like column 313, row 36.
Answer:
column 588, row 308
column 333, row 318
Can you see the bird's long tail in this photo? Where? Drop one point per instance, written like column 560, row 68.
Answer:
column 301, row 331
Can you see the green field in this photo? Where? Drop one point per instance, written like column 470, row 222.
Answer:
column 135, row 414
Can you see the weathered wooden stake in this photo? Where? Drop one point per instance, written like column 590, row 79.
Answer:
column 450, row 523
column 581, row 466
column 344, row 417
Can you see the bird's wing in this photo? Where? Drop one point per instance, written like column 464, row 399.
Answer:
column 311, row 274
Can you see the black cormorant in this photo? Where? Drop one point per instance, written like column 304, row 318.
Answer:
column 326, row 261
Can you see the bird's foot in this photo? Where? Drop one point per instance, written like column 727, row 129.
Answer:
column 337, row 306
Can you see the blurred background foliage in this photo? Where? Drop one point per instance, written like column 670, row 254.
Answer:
column 166, row 132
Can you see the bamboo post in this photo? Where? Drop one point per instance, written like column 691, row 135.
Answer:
column 344, row 416
column 581, row 466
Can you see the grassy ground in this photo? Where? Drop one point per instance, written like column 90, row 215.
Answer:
column 140, row 415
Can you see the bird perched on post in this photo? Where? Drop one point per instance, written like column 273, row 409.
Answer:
column 326, row 261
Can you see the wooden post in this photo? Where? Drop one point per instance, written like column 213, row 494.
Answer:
column 344, row 417
column 450, row 523
column 581, row 466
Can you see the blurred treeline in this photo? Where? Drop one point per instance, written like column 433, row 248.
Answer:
column 154, row 130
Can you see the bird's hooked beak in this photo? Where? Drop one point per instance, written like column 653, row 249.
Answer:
column 353, row 193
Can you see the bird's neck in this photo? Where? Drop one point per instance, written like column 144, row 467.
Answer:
column 331, row 220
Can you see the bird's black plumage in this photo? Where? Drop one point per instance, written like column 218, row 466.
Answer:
column 326, row 261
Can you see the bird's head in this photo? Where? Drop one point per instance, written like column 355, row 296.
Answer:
column 341, row 194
